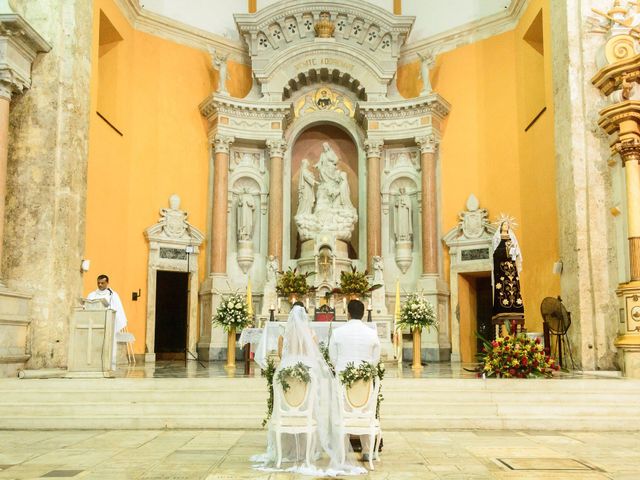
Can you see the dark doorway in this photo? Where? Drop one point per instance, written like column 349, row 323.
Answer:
column 484, row 305
column 171, row 315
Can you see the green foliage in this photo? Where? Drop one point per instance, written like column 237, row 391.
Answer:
column 365, row 371
column 233, row 311
column 354, row 283
column 417, row 313
column 299, row 371
column 324, row 350
column 293, row 283
column 268, row 373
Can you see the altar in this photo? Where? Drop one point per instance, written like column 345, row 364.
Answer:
column 264, row 341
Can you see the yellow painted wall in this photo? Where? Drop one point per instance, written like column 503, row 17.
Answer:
column 163, row 151
column 485, row 150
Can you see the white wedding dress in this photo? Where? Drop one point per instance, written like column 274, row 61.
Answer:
column 300, row 346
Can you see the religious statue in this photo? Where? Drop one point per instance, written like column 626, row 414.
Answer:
column 272, row 270
column 333, row 189
column 329, row 209
column 244, row 215
column 403, row 226
column 427, row 62
column 377, row 265
column 507, row 264
column 220, row 61
column 306, row 182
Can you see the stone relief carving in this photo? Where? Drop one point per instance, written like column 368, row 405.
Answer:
column 173, row 227
column 247, row 159
column 329, row 209
column 324, row 99
column 475, row 220
column 404, row 158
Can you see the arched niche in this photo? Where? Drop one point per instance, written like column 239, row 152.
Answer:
column 309, row 144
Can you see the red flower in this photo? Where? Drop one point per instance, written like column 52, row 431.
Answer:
column 538, row 340
column 512, row 371
column 494, row 344
column 524, row 361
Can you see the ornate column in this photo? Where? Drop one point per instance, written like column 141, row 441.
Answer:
column 276, row 153
column 218, row 245
column 373, row 147
column 617, row 80
column 428, row 146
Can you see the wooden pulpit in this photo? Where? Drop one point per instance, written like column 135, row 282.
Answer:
column 91, row 340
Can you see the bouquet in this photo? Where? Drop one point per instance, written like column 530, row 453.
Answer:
column 233, row 311
column 354, row 283
column 417, row 313
column 293, row 283
column 515, row 356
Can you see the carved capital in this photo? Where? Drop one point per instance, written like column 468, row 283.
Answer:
column 428, row 143
column 373, row 147
column 6, row 90
column 628, row 150
column 221, row 143
column 276, row 148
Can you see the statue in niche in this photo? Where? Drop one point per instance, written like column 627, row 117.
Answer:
column 244, row 214
column 333, row 188
column 403, row 227
column 329, row 209
column 306, row 182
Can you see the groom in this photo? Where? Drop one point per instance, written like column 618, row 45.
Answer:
column 354, row 342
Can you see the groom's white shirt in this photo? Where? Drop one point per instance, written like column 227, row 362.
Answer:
column 354, row 342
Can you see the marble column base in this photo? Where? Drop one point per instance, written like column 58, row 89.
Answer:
column 14, row 329
column 436, row 344
column 629, row 353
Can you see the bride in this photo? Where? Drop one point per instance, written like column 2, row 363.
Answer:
column 299, row 345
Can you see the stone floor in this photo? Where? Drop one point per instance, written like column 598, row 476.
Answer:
column 217, row 455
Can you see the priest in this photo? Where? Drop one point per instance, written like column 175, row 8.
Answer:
column 114, row 303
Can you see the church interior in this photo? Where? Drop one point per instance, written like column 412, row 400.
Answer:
column 193, row 151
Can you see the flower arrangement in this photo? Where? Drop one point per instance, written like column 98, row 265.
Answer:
column 299, row 371
column 354, row 283
column 233, row 312
column 515, row 356
column 268, row 373
column 417, row 313
column 293, row 283
column 365, row 371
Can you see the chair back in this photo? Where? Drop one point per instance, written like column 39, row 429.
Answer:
column 296, row 394
column 359, row 393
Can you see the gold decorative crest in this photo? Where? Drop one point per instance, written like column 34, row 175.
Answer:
column 324, row 99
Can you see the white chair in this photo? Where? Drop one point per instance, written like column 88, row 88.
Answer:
column 293, row 414
column 124, row 336
column 358, row 409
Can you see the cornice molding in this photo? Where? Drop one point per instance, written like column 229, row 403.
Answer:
column 465, row 34
column 164, row 27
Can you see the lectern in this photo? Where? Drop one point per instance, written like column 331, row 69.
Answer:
column 91, row 336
